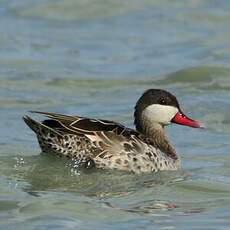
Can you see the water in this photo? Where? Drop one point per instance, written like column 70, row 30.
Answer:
column 95, row 58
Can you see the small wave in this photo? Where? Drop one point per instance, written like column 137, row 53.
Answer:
column 68, row 10
column 201, row 78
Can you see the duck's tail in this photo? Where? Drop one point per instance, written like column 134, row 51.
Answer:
column 34, row 125
column 51, row 141
column 48, row 138
column 38, row 127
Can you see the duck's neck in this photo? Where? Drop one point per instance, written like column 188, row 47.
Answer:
column 156, row 135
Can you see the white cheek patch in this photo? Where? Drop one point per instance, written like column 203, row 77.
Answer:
column 162, row 114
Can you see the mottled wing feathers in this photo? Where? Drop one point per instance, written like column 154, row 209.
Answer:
column 101, row 143
column 108, row 144
column 82, row 125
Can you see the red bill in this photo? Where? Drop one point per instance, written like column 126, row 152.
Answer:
column 181, row 119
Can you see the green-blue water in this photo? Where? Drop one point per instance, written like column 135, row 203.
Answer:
column 95, row 58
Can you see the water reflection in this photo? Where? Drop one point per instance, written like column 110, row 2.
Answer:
column 48, row 173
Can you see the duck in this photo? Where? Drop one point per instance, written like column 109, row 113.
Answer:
column 104, row 144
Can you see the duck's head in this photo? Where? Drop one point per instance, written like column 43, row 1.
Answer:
column 160, row 108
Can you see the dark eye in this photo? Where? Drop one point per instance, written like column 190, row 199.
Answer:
column 162, row 101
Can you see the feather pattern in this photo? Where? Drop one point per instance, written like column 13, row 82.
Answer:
column 105, row 144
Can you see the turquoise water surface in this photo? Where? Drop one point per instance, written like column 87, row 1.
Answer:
column 95, row 58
